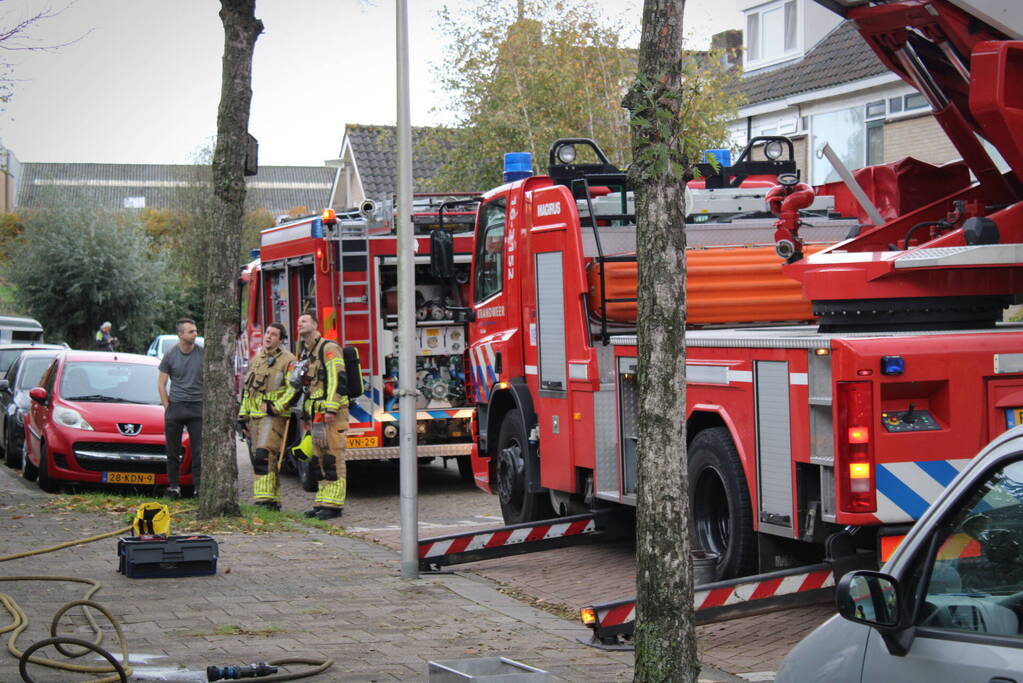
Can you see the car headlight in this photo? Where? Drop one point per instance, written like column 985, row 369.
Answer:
column 70, row 418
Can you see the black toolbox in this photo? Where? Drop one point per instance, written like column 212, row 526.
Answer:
column 160, row 557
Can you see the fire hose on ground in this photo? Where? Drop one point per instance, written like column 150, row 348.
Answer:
column 119, row 669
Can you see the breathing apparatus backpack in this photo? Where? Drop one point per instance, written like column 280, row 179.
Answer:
column 151, row 519
column 349, row 382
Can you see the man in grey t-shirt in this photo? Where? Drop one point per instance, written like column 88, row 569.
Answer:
column 182, row 365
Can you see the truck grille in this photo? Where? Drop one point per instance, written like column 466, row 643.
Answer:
column 121, row 457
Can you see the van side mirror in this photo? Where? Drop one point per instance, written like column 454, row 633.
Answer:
column 5, row 385
column 873, row 599
column 38, row 394
column 869, row 598
column 442, row 255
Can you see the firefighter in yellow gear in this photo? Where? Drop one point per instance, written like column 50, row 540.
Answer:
column 325, row 413
column 266, row 397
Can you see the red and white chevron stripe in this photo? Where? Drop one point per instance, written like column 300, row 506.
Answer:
column 504, row 537
column 625, row 612
column 746, row 592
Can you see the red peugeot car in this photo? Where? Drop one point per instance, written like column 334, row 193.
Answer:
column 96, row 418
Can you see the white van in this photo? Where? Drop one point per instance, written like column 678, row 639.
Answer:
column 948, row 605
column 18, row 328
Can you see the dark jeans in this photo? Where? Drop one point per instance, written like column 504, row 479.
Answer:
column 177, row 418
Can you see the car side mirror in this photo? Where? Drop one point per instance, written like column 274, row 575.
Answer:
column 873, row 599
column 870, row 598
column 39, row 395
column 5, row 385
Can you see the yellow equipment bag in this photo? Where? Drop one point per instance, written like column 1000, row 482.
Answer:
column 152, row 519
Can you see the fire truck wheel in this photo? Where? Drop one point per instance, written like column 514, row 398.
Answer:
column 515, row 467
column 722, row 514
column 465, row 468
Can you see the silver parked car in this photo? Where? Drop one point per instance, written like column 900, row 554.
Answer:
column 163, row 343
column 948, row 605
column 22, row 376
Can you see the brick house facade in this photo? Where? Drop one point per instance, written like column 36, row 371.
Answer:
column 814, row 79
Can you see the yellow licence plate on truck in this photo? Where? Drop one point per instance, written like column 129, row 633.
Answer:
column 363, row 442
column 129, row 478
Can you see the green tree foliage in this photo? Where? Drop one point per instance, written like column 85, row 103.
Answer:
column 75, row 268
column 519, row 78
column 11, row 228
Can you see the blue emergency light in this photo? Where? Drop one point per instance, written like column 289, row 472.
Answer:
column 723, row 156
column 254, row 253
column 893, row 365
column 517, row 165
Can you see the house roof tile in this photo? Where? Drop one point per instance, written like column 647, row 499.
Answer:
column 840, row 57
column 376, row 154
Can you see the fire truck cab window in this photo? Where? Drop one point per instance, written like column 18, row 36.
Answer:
column 489, row 248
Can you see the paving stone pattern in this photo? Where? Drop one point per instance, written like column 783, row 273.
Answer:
column 312, row 594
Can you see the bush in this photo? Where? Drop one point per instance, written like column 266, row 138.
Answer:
column 74, row 269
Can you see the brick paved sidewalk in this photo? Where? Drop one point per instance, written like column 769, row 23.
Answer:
column 302, row 594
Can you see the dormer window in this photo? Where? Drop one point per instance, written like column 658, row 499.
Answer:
column 771, row 33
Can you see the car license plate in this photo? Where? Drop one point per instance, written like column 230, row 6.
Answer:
column 363, row 442
column 129, row 478
column 1013, row 417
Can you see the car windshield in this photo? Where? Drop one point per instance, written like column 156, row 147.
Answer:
column 32, row 371
column 8, row 356
column 102, row 382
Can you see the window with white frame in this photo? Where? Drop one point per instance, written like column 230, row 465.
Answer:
column 771, row 33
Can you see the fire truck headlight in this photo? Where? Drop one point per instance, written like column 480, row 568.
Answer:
column 773, row 150
column 566, row 154
column 893, row 365
column 390, row 431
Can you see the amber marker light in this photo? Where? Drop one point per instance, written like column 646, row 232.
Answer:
column 888, row 546
column 588, row 615
column 822, row 352
column 859, row 470
column 329, row 216
column 502, row 385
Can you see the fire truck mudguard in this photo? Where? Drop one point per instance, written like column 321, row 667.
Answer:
column 518, row 539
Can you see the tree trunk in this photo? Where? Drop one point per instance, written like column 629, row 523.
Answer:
column 665, row 637
column 219, row 494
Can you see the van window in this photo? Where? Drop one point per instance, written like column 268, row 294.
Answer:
column 976, row 581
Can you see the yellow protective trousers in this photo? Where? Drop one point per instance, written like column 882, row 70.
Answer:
column 267, row 437
column 332, row 487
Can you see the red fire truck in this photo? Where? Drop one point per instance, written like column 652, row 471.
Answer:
column 793, row 432
column 344, row 267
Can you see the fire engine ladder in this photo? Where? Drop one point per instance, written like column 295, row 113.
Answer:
column 519, row 539
column 580, row 187
column 613, row 623
column 353, row 297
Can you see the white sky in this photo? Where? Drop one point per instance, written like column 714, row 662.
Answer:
column 143, row 84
